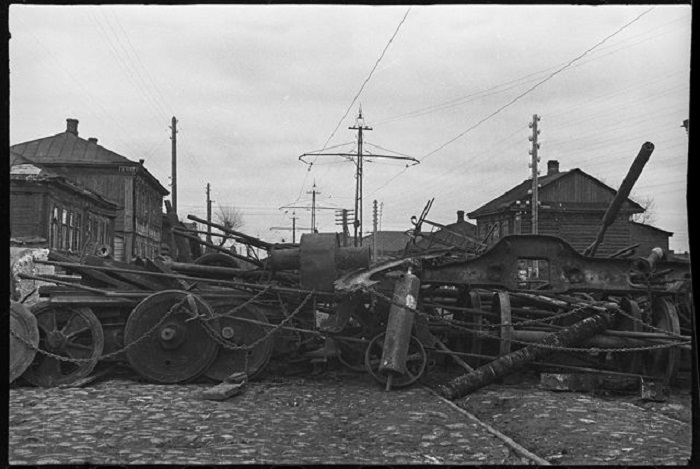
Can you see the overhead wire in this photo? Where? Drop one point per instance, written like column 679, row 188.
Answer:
column 357, row 95
column 520, row 96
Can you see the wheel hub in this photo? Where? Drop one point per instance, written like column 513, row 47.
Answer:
column 171, row 336
column 227, row 332
column 55, row 341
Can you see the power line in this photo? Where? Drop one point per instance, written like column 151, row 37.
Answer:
column 368, row 77
column 552, row 75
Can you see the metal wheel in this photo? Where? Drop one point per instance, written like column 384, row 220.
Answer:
column 22, row 323
column 629, row 362
column 415, row 362
column 229, row 361
column 71, row 333
column 179, row 348
column 663, row 363
column 501, row 306
column 352, row 353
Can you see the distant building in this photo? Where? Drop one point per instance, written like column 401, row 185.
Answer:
column 51, row 211
column 460, row 234
column 389, row 243
column 572, row 205
column 138, row 193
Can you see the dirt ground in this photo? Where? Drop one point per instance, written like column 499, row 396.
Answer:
column 602, row 427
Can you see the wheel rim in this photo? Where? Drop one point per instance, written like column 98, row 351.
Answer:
column 71, row 333
column 229, row 361
column 23, row 323
column 352, row 353
column 629, row 362
column 178, row 350
column 663, row 363
column 415, row 363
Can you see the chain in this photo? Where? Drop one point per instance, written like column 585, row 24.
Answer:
column 552, row 347
column 240, row 307
column 228, row 345
column 103, row 357
column 657, row 329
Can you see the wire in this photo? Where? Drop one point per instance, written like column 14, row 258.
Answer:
column 368, row 77
column 552, row 75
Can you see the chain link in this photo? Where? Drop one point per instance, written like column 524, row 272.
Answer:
column 241, row 306
column 215, row 335
column 657, row 329
column 125, row 349
column 552, row 347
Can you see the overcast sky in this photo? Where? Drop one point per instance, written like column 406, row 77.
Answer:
column 254, row 87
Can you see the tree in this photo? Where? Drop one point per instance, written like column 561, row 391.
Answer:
column 648, row 216
column 231, row 218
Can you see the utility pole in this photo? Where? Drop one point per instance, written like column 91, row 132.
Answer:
column 173, row 171
column 209, row 213
column 341, row 218
column 294, row 227
column 375, row 222
column 359, row 160
column 535, row 173
column 313, row 193
column 358, row 178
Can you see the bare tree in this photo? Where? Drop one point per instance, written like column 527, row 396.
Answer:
column 648, row 216
column 231, row 218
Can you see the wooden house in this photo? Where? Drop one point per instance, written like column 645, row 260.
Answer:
column 572, row 205
column 138, row 193
column 460, row 234
column 51, row 211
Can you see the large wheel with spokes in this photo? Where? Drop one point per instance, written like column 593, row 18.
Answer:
column 177, row 347
column 415, row 362
column 73, row 335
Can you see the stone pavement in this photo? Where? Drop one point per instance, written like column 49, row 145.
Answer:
column 334, row 418
column 578, row 428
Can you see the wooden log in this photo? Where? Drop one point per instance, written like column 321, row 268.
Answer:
column 514, row 361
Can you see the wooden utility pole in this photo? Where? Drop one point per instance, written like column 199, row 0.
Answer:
column 358, row 178
column 535, row 173
column 375, row 221
column 208, row 213
column 173, row 171
column 359, row 160
column 313, row 193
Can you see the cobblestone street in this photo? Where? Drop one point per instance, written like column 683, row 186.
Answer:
column 336, row 417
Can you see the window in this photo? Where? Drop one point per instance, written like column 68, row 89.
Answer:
column 505, row 230
column 54, row 229
column 77, row 232
column 64, row 229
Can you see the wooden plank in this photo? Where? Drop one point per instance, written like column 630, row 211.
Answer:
column 91, row 278
column 139, row 281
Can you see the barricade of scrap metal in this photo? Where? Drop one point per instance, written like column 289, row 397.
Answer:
column 604, row 316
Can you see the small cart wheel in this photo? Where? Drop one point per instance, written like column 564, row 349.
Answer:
column 415, row 362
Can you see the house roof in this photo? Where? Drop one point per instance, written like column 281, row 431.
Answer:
column 520, row 192
column 389, row 241
column 24, row 169
column 653, row 228
column 67, row 148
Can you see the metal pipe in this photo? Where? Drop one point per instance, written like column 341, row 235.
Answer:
column 219, row 248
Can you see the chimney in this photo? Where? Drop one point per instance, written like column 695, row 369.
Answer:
column 92, row 140
column 72, row 126
column 460, row 215
column 552, row 167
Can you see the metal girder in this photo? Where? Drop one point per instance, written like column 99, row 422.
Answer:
column 563, row 268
